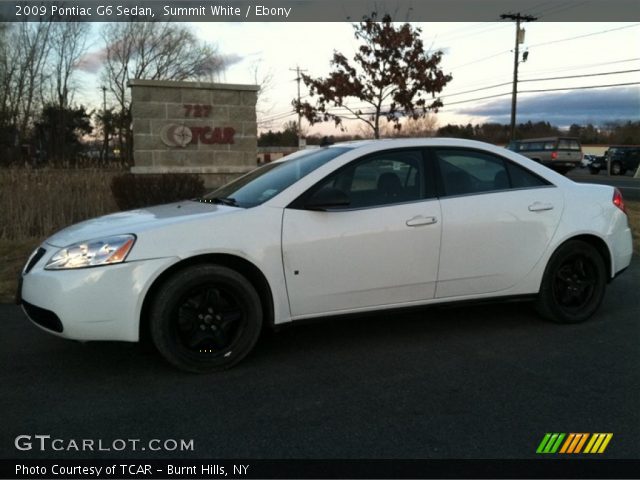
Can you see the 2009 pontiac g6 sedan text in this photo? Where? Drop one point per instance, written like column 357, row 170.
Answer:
column 353, row 227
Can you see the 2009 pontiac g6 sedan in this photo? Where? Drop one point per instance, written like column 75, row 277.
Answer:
column 349, row 228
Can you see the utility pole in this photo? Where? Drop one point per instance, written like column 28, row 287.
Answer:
column 516, row 60
column 301, row 141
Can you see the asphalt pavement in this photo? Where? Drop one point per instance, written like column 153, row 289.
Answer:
column 468, row 382
column 629, row 186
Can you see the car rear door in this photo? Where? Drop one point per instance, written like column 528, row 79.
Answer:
column 381, row 249
column 498, row 219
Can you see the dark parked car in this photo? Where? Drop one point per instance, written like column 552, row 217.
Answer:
column 623, row 158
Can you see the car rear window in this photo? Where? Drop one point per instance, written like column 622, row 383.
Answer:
column 568, row 144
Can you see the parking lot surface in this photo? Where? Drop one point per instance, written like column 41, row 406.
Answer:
column 629, row 186
column 467, row 382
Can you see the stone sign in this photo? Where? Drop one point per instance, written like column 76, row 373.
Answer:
column 193, row 127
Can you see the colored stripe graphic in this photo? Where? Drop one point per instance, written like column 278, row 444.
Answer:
column 576, row 444
column 597, row 443
column 581, row 442
column 543, row 443
column 567, row 443
column 550, row 443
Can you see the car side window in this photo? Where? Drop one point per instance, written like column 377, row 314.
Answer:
column 465, row 172
column 381, row 179
column 522, row 178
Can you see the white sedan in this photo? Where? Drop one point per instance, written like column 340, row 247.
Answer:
column 349, row 228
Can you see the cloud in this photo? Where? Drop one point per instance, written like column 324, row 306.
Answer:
column 596, row 106
column 231, row 59
column 91, row 62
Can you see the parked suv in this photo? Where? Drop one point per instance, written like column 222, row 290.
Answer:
column 558, row 153
column 622, row 158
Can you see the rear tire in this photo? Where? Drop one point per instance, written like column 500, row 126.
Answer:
column 205, row 318
column 573, row 285
column 594, row 171
column 616, row 169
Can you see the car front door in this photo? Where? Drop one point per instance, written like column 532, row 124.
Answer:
column 380, row 249
column 498, row 219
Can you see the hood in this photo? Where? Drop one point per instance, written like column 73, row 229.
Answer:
column 135, row 221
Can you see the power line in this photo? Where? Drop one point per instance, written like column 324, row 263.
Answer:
column 489, row 87
column 583, row 36
column 544, row 43
column 542, row 12
column 561, row 8
column 580, row 76
column 565, row 69
column 544, row 90
column 279, row 117
column 284, row 115
column 460, row 102
column 588, row 65
column 582, row 88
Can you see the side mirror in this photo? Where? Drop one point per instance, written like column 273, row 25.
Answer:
column 327, row 198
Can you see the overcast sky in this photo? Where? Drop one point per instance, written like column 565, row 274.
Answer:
column 477, row 55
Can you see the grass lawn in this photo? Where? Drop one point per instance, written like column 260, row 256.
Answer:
column 14, row 254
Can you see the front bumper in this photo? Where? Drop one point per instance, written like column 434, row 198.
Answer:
column 96, row 303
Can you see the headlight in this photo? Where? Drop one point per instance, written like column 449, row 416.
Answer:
column 92, row 253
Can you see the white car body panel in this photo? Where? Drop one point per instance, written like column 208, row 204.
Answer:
column 501, row 238
column 346, row 264
column 344, row 261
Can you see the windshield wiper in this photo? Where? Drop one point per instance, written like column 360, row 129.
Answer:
column 224, row 201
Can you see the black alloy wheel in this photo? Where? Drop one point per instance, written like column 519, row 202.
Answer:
column 205, row 318
column 574, row 283
column 208, row 319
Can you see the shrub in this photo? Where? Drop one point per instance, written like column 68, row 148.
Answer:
column 137, row 191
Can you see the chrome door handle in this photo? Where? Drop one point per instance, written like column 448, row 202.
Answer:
column 540, row 207
column 420, row 220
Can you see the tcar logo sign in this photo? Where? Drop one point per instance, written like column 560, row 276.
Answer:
column 174, row 135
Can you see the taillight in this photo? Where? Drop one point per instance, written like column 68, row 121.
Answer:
column 618, row 201
column 554, row 155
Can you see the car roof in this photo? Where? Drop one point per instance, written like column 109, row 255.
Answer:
column 388, row 143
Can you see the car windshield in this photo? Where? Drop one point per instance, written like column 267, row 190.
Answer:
column 265, row 182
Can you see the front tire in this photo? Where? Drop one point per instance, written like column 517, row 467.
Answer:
column 573, row 285
column 205, row 318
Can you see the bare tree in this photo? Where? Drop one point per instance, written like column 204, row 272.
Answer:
column 68, row 45
column 264, row 80
column 426, row 126
column 23, row 55
column 68, row 42
column 152, row 51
